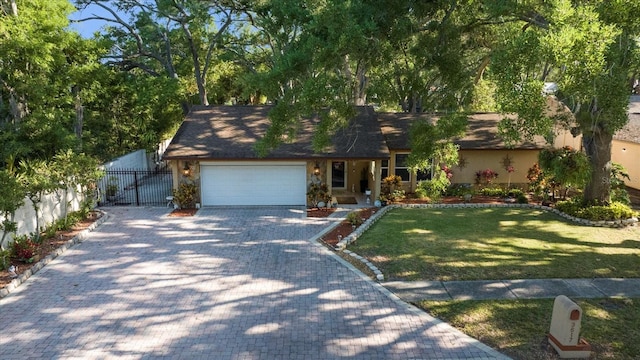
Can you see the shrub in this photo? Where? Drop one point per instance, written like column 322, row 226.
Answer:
column 318, row 193
column 24, row 248
column 522, row 198
column 354, row 218
column 492, row 192
column 485, row 177
column 458, row 190
column 5, row 256
column 185, row 195
column 614, row 211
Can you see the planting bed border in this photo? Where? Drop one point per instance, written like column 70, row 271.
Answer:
column 15, row 283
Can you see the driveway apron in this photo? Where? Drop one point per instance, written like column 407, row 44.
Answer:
column 228, row 283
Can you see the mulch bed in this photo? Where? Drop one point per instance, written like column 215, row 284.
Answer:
column 183, row 212
column 345, row 228
column 49, row 245
column 320, row 212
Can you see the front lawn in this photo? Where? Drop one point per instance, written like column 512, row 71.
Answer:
column 518, row 328
column 495, row 243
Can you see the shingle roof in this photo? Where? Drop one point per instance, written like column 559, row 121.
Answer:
column 231, row 132
column 631, row 131
column 482, row 133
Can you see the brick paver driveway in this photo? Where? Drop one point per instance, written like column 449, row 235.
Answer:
column 225, row 284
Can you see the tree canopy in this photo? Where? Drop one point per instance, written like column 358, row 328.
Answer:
column 127, row 87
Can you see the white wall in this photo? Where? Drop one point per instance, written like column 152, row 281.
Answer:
column 51, row 208
column 136, row 160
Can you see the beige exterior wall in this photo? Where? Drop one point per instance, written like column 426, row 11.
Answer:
column 627, row 154
column 564, row 138
column 476, row 160
column 473, row 161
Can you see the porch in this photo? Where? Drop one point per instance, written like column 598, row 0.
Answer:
column 351, row 200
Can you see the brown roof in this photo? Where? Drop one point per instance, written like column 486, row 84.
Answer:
column 482, row 133
column 231, row 132
column 631, row 131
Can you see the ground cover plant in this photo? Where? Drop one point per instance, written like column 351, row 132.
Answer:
column 495, row 243
column 518, row 328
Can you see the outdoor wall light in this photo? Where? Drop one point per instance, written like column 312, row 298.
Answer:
column 186, row 171
column 316, row 169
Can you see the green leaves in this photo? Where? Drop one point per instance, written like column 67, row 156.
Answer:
column 432, row 141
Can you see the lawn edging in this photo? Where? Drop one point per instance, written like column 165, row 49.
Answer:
column 342, row 245
column 15, row 283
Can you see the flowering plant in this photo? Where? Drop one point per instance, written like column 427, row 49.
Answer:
column 485, row 177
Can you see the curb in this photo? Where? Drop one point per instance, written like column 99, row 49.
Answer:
column 15, row 283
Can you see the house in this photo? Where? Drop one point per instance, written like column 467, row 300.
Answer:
column 215, row 148
column 625, row 147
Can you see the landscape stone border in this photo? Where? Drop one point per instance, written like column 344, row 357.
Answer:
column 341, row 246
column 81, row 236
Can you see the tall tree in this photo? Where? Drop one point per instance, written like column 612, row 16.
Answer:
column 588, row 48
column 158, row 36
column 36, row 111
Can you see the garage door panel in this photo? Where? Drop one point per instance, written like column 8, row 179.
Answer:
column 274, row 184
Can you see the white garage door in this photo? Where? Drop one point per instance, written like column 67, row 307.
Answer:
column 265, row 183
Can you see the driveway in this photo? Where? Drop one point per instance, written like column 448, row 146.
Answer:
column 225, row 284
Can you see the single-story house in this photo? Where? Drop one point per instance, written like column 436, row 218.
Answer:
column 215, row 148
column 625, row 148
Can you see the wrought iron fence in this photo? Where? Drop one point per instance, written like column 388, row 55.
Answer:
column 135, row 187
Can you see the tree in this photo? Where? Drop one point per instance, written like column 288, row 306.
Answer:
column 42, row 86
column 37, row 180
column 129, row 111
column 158, row 37
column 588, row 48
column 11, row 199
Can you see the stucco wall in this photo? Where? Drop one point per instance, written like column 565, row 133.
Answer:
column 476, row 160
column 628, row 155
column 136, row 160
column 51, row 209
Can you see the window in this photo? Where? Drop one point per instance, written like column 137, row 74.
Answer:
column 422, row 175
column 338, row 174
column 384, row 168
column 426, row 174
column 401, row 167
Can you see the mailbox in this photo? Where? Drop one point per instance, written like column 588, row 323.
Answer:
column 564, row 334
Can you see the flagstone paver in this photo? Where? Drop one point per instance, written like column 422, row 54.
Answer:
column 235, row 283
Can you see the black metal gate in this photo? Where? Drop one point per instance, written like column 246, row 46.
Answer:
column 135, row 187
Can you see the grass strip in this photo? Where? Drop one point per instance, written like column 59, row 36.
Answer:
column 518, row 328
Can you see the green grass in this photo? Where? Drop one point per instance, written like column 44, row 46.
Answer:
column 495, row 243
column 518, row 328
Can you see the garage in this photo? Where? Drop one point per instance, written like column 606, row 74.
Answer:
column 254, row 183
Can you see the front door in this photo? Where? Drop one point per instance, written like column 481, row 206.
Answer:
column 338, row 175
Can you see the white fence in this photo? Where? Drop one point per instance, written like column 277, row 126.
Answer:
column 50, row 209
column 52, row 206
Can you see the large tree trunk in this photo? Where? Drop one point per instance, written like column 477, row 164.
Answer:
column 597, row 146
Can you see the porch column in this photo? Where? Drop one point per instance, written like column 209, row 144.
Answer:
column 377, row 179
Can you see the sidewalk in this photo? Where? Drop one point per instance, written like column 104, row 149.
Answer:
column 412, row 291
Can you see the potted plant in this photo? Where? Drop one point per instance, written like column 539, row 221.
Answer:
column 112, row 188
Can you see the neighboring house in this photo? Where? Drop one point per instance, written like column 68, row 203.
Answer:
column 625, row 149
column 215, row 148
